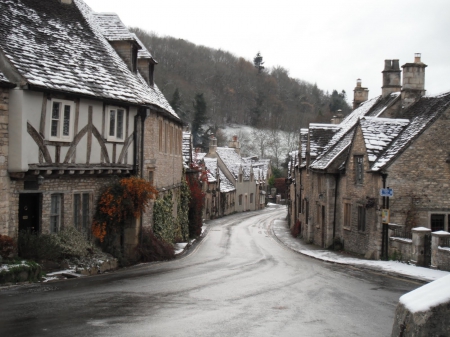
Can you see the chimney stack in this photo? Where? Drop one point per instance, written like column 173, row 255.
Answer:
column 391, row 78
column 234, row 143
column 413, row 81
column 360, row 94
column 212, row 146
column 337, row 119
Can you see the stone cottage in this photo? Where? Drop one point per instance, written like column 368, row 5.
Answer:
column 393, row 140
column 84, row 109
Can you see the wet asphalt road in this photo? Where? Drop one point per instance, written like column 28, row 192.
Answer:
column 238, row 281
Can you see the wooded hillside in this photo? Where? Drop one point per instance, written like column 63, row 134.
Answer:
column 235, row 91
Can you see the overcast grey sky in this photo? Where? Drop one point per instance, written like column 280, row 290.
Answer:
column 328, row 42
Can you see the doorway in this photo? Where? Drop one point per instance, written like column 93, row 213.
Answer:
column 29, row 212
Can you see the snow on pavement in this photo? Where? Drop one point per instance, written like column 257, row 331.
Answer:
column 279, row 228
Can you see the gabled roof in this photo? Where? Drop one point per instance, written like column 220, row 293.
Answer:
column 378, row 133
column 186, row 148
column 260, row 169
column 60, row 47
column 303, row 144
column 113, row 28
column 231, row 159
column 319, row 136
column 211, row 166
column 423, row 114
column 4, row 81
column 342, row 139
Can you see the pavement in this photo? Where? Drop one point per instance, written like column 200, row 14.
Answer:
column 398, row 269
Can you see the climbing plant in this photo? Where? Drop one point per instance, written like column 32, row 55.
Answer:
column 119, row 202
column 163, row 220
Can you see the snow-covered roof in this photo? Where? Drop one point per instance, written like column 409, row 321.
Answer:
column 422, row 113
column 59, row 47
column 319, row 136
column 342, row 139
column 112, row 27
column 4, row 80
column 231, row 159
column 378, row 133
column 212, row 167
column 186, row 148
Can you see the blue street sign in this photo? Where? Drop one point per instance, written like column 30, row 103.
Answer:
column 387, row 192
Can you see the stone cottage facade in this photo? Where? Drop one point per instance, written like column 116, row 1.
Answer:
column 83, row 112
column 394, row 140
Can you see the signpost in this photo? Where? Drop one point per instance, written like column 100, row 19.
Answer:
column 386, row 193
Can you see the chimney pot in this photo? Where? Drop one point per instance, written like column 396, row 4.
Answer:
column 387, row 64
column 358, row 82
column 395, row 65
column 66, row 2
column 417, row 57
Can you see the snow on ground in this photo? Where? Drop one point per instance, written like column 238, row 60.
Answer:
column 428, row 296
column 179, row 247
column 279, row 228
column 6, row 267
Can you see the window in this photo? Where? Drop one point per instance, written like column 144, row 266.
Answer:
column 55, row 213
column 361, row 218
column 240, row 199
column 437, row 222
column 347, row 215
column 151, row 177
column 81, row 211
column 240, row 177
column 160, row 135
column 116, row 117
column 251, row 198
column 359, row 169
column 61, row 120
column 307, row 212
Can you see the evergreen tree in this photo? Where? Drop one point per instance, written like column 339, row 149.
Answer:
column 200, row 118
column 258, row 62
column 176, row 101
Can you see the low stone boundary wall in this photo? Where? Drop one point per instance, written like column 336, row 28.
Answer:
column 402, row 248
column 424, row 312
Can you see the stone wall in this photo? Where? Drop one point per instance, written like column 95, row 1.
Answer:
column 443, row 258
column 420, row 177
column 162, row 162
column 400, row 249
column 4, row 177
column 368, row 241
column 66, row 186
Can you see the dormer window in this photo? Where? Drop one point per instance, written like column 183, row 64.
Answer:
column 61, row 120
column 115, row 122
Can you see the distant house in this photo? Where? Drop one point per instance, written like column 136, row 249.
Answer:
column 248, row 176
column 394, row 140
column 84, row 110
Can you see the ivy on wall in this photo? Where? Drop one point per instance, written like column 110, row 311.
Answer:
column 165, row 225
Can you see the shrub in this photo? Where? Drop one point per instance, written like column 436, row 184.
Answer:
column 152, row 248
column 7, row 246
column 68, row 243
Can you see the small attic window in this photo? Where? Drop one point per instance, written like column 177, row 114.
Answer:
column 134, row 60
column 150, row 74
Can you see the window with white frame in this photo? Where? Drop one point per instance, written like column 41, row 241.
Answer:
column 61, row 120
column 55, row 213
column 115, row 123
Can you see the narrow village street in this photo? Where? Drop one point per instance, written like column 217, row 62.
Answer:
column 237, row 281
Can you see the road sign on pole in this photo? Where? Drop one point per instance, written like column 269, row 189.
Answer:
column 387, row 192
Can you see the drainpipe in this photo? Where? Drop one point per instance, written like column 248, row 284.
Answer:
column 336, row 185
column 384, row 232
column 144, row 114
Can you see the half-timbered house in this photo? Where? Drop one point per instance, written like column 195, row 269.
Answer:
column 84, row 110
